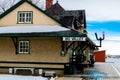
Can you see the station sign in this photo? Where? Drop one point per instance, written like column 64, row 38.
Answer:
column 74, row 38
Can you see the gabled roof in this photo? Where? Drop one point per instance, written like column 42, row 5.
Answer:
column 6, row 33
column 59, row 13
column 20, row 3
column 79, row 14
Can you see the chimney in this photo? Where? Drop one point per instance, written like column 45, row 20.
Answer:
column 49, row 3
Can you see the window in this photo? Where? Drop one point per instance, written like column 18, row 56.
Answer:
column 25, row 17
column 24, row 47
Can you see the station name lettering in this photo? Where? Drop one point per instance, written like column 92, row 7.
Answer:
column 74, row 38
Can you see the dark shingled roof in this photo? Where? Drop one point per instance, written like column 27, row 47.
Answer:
column 67, row 20
column 80, row 16
column 66, row 16
column 56, row 9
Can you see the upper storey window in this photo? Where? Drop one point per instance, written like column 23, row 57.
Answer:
column 25, row 17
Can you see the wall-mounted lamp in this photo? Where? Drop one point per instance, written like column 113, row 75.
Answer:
column 62, row 53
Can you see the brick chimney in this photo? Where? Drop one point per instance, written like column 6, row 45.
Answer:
column 49, row 3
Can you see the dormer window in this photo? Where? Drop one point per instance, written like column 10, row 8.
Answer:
column 25, row 17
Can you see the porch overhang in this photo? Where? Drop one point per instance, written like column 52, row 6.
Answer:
column 39, row 31
column 57, row 34
column 91, row 43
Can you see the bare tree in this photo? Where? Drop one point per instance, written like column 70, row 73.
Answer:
column 6, row 4
column 39, row 3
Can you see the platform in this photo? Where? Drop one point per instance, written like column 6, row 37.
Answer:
column 100, row 71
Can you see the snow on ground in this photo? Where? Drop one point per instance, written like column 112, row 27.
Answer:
column 115, row 61
column 18, row 77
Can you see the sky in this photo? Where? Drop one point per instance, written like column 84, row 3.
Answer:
column 101, row 16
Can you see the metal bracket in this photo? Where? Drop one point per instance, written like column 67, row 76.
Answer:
column 100, row 39
column 15, row 41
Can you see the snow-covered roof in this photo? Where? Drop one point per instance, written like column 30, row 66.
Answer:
column 37, row 31
column 31, row 29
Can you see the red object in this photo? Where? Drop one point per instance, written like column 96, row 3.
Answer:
column 99, row 56
column 49, row 3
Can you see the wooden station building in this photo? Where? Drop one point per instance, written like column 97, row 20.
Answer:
column 38, row 40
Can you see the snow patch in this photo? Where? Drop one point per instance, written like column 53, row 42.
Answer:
column 17, row 77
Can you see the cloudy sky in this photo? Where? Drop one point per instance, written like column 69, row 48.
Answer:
column 101, row 15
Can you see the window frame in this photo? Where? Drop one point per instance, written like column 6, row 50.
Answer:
column 19, row 47
column 25, row 17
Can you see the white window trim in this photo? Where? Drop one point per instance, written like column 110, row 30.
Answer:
column 25, row 21
column 21, row 52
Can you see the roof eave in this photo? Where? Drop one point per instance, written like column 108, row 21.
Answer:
column 91, row 42
column 41, row 35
